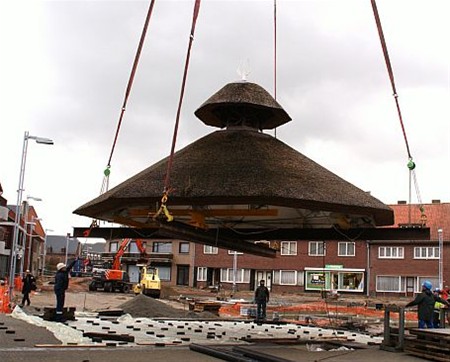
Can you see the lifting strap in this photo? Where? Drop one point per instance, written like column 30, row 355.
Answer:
column 107, row 171
column 167, row 189
column 130, row 80
column 411, row 165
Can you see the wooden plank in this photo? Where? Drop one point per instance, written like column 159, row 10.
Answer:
column 427, row 355
column 109, row 337
column 440, row 333
column 48, row 345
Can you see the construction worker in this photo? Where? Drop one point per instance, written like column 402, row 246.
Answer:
column 261, row 299
column 28, row 284
column 425, row 302
column 61, row 285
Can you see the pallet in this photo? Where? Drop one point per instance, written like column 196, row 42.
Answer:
column 433, row 344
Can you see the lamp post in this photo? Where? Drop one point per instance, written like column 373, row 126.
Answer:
column 20, row 189
column 45, row 250
column 67, row 247
column 441, row 258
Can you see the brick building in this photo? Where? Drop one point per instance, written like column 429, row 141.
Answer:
column 358, row 266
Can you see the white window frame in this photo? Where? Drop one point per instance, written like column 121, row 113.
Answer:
column 208, row 249
column 113, row 246
column 317, row 244
column 391, row 252
column 401, row 284
column 426, row 252
column 286, row 272
column 288, row 248
column 202, row 274
column 346, row 247
column 242, row 275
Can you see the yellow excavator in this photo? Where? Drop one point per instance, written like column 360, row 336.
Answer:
column 150, row 284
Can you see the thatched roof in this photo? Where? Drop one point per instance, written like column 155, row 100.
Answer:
column 242, row 103
column 240, row 166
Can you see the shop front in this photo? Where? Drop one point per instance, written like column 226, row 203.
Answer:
column 334, row 278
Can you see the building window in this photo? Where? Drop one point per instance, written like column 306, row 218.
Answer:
column 164, row 272
column 288, row 277
column 316, row 248
column 184, row 248
column 162, row 247
column 434, row 282
column 288, row 248
column 231, row 252
column 390, row 284
column 242, row 275
column 346, row 249
column 208, row 249
column 426, row 252
column 390, row 252
column 202, row 273
column 113, row 246
column 133, row 248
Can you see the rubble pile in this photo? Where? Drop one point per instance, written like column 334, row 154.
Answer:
column 142, row 306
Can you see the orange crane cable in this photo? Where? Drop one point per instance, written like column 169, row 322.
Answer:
column 390, row 71
column 131, row 79
column 183, row 85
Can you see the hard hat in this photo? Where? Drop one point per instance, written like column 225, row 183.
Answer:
column 427, row 284
column 59, row 266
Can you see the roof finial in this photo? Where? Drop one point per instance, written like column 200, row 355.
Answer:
column 244, row 69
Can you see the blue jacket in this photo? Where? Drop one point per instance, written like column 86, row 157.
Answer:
column 62, row 278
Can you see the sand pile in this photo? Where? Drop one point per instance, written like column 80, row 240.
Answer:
column 142, row 306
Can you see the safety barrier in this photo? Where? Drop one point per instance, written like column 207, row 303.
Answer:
column 4, row 299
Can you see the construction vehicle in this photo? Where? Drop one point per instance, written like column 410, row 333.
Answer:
column 150, row 284
column 114, row 278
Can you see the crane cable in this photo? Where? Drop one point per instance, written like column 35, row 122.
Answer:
column 167, row 189
column 107, row 171
column 275, row 55
column 411, row 164
column 127, row 94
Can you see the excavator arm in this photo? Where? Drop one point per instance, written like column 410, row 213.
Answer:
column 123, row 246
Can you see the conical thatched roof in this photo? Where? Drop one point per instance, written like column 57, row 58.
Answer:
column 240, row 166
column 242, row 103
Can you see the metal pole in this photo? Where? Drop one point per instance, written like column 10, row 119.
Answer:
column 17, row 218
column 234, row 271
column 12, row 269
column 441, row 259
column 67, row 247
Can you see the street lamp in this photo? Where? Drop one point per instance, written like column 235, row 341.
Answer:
column 45, row 250
column 67, row 247
column 12, row 264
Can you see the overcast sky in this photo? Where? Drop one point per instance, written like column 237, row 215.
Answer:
column 64, row 67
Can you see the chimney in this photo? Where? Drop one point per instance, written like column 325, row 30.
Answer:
column 401, row 202
column 435, row 201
